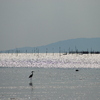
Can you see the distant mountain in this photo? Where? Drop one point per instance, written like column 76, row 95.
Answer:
column 80, row 44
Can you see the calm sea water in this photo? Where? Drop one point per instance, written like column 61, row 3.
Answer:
column 49, row 84
column 50, row 60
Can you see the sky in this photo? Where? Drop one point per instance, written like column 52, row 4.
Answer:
column 31, row 23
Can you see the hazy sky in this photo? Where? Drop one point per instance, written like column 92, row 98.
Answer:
column 39, row 22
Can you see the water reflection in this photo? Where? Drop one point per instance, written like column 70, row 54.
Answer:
column 31, row 93
column 31, row 85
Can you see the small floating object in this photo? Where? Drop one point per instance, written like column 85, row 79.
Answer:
column 76, row 70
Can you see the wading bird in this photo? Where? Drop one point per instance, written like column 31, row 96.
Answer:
column 31, row 75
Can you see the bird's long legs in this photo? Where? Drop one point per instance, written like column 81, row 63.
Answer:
column 30, row 80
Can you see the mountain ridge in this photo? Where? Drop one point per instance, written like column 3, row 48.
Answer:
column 80, row 44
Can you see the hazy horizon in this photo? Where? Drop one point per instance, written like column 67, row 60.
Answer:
column 35, row 23
column 48, row 43
column 80, row 44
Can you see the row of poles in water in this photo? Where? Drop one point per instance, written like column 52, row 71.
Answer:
column 37, row 51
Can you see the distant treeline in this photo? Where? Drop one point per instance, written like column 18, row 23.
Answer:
column 83, row 52
column 46, row 50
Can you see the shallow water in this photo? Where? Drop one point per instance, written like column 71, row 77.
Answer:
column 49, row 84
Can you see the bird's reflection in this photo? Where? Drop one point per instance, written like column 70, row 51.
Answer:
column 31, row 85
column 31, row 92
